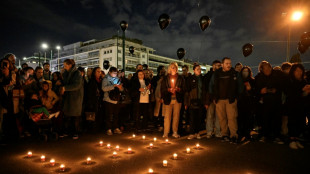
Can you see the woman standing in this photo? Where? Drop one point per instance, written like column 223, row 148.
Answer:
column 172, row 93
column 141, row 99
column 73, row 93
column 296, row 92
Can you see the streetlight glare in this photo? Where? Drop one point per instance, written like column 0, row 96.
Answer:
column 44, row 46
column 296, row 16
column 58, row 47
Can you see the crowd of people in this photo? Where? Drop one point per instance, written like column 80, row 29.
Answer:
column 227, row 103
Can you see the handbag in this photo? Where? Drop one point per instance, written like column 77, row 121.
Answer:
column 90, row 116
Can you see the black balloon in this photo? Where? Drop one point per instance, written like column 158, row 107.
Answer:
column 131, row 49
column 163, row 21
column 180, row 53
column 301, row 48
column 106, row 64
column 204, row 22
column 247, row 49
column 123, row 25
column 305, row 39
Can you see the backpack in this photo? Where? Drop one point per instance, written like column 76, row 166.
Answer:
column 115, row 94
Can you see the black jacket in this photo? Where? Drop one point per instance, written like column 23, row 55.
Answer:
column 166, row 95
column 134, row 91
column 192, row 98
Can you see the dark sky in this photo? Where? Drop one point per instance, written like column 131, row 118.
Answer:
column 25, row 24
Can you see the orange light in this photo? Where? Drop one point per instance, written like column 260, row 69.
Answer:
column 296, row 16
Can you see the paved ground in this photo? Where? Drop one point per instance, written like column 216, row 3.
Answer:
column 213, row 157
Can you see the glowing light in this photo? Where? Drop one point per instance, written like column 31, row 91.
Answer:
column 58, row 47
column 62, row 167
column 114, row 154
column 151, row 145
column 143, row 137
column 296, row 16
column 175, row 156
column 129, row 150
column 133, row 136
column 42, row 158
column 29, row 154
column 167, row 141
column 165, row 163
column 155, row 139
column 117, row 147
column 101, row 143
column 108, row 146
column 44, row 46
column 52, row 162
column 197, row 146
column 88, row 160
column 188, row 150
column 151, row 171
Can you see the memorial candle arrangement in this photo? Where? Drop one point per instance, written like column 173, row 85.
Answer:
column 62, row 168
column 143, row 137
column 188, row 150
column 165, row 163
column 108, row 146
column 88, row 160
column 167, row 141
column 151, row 145
column 29, row 154
column 129, row 150
column 117, row 148
column 114, row 154
column 52, row 162
column 42, row 158
column 151, row 171
column 100, row 143
column 197, row 146
column 133, row 136
column 175, row 156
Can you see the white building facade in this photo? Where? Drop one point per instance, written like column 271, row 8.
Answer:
column 93, row 53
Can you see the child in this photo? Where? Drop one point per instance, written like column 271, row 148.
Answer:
column 38, row 111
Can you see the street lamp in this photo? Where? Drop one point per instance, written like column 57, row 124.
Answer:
column 44, row 46
column 58, row 48
column 296, row 16
column 124, row 26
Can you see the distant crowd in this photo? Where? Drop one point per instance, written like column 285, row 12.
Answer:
column 227, row 102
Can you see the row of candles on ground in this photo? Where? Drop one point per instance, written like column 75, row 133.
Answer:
column 62, row 167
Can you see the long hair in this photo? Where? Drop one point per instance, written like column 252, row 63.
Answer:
column 93, row 73
column 172, row 64
column 250, row 76
column 293, row 69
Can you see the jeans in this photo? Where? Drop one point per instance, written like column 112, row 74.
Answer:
column 212, row 121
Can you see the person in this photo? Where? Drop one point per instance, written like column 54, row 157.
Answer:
column 268, row 88
column 111, row 86
column 47, row 74
column 193, row 101
column 138, row 67
column 125, row 102
column 28, row 75
column 47, row 96
column 184, row 122
column 172, row 93
column 57, row 82
column 158, row 108
column 246, row 104
column 94, row 97
column 24, row 65
column 73, row 93
column 296, row 92
column 140, row 95
column 238, row 67
column 213, row 124
column 225, row 86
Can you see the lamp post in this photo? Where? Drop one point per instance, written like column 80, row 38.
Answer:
column 296, row 16
column 44, row 46
column 58, row 48
column 124, row 26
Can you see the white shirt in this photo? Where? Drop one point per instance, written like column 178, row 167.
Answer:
column 144, row 96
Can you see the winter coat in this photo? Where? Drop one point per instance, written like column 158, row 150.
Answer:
column 191, row 98
column 74, row 92
column 135, row 93
column 165, row 85
column 94, row 95
column 295, row 97
column 108, row 83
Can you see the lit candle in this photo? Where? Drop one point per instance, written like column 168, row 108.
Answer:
column 197, row 145
column 29, row 154
column 42, row 158
column 114, row 154
column 62, row 167
column 151, row 145
column 117, row 148
column 133, row 136
column 108, row 146
column 101, row 143
column 151, row 171
column 165, row 163
column 172, row 81
column 155, row 139
column 175, row 156
column 52, row 162
column 167, row 141
column 129, row 150
column 188, row 150
column 88, row 160
column 143, row 137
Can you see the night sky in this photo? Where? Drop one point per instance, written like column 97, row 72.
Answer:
column 25, row 24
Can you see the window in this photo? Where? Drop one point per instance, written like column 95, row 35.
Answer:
column 119, row 51
column 143, row 56
column 105, row 52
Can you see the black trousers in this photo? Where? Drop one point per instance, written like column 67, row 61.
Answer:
column 112, row 114
column 195, row 119
column 141, row 109
column 271, row 119
column 72, row 124
column 296, row 121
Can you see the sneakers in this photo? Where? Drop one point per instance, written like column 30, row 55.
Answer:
column 218, row 135
column 176, row 135
column 109, row 132
column 191, row 137
column 293, row 145
column 209, row 136
column 198, row 136
column 225, row 138
column 117, row 131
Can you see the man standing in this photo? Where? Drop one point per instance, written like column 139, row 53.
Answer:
column 212, row 118
column 225, row 86
column 47, row 75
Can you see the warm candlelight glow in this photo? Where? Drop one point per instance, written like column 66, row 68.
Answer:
column 29, row 154
column 88, row 160
column 188, row 150
column 101, row 143
column 129, row 150
column 114, row 154
column 62, row 167
column 52, row 162
column 151, row 171
column 151, row 145
column 197, row 145
column 155, row 139
column 167, row 141
column 133, row 136
column 165, row 163
column 42, row 158
column 117, row 147
column 108, row 146
column 143, row 137
column 175, row 156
